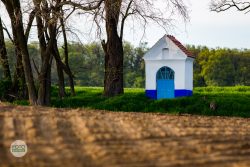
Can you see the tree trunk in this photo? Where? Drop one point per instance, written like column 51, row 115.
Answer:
column 64, row 67
column 71, row 80
column 14, row 10
column 48, row 84
column 45, row 77
column 46, row 48
column 61, row 84
column 19, row 87
column 113, row 79
column 3, row 55
column 71, row 85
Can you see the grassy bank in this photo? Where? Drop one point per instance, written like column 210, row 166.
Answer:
column 223, row 101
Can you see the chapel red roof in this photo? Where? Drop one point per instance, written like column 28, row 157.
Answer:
column 183, row 48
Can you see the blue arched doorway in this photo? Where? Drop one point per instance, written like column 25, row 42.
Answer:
column 165, row 83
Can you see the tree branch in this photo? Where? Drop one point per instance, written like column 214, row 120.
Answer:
column 8, row 33
column 222, row 5
column 31, row 19
column 80, row 6
column 124, row 18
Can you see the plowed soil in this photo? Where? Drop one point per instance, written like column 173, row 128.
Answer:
column 79, row 137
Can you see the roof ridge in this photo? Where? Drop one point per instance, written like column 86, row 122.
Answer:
column 180, row 46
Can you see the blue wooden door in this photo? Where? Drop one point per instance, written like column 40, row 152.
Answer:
column 165, row 83
column 165, row 89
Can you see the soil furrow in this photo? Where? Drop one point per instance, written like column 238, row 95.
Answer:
column 71, row 142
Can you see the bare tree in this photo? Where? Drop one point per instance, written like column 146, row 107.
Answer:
column 50, row 17
column 66, row 53
column 223, row 5
column 86, row 5
column 15, row 13
column 114, row 14
column 19, row 88
column 46, row 18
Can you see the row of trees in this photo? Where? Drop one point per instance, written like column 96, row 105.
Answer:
column 49, row 18
column 221, row 67
column 212, row 67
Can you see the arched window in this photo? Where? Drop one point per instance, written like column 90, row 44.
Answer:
column 165, row 73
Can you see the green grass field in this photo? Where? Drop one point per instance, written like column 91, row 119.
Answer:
column 228, row 101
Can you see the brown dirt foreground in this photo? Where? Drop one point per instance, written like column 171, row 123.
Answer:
column 60, row 137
